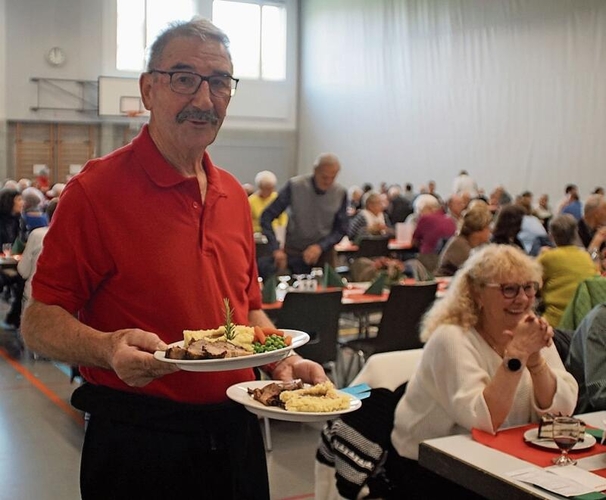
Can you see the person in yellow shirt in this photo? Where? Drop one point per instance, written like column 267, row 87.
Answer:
column 266, row 193
column 564, row 267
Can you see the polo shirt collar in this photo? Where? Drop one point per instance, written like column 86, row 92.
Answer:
column 162, row 173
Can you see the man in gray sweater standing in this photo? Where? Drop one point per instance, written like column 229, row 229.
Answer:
column 317, row 219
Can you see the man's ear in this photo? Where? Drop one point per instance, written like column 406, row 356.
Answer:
column 145, row 86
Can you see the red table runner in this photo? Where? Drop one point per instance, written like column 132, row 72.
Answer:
column 511, row 441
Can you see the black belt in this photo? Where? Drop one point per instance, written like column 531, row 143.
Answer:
column 155, row 412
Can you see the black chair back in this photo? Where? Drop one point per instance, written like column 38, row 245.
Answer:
column 398, row 329
column 401, row 318
column 373, row 246
column 316, row 313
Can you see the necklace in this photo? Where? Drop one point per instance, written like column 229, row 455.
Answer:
column 487, row 339
column 495, row 349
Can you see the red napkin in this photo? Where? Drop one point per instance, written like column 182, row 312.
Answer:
column 511, row 441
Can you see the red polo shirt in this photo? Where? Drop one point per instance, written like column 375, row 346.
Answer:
column 132, row 246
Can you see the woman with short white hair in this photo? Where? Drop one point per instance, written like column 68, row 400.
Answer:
column 266, row 182
column 371, row 220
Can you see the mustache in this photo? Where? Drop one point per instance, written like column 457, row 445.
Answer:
column 198, row 115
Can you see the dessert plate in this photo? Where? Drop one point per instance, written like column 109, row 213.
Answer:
column 531, row 436
column 299, row 338
column 239, row 394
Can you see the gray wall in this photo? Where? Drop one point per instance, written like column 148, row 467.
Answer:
column 413, row 90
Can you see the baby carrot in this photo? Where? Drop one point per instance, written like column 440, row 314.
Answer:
column 267, row 330
column 287, row 339
column 259, row 335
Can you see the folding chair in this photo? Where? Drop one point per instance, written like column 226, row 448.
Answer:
column 399, row 326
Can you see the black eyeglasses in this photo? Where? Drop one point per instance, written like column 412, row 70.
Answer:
column 511, row 290
column 186, row 82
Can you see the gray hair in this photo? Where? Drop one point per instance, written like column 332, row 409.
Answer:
column 424, row 201
column 326, row 159
column 265, row 177
column 393, row 191
column 563, row 230
column 197, row 27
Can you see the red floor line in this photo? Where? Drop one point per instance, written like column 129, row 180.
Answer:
column 44, row 389
column 77, row 417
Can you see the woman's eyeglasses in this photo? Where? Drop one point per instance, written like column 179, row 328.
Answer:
column 511, row 290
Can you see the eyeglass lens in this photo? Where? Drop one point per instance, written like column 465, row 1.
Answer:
column 511, row 290
column 188, row 83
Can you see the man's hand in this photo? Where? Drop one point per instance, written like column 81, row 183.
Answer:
column 311, row 254
column 131, row 357
column 294, row 367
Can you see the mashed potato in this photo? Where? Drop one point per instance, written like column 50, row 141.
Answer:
column 318, row 398
column 244, row 336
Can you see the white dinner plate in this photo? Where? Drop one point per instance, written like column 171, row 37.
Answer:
column 531, row 436
column 239, row 394
column 218, row 365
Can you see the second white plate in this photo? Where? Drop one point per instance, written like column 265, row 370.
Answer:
column 239, row 394
column 531, row 436
column 217, row 365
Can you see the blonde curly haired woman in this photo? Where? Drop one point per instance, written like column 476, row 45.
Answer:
column 488, row 363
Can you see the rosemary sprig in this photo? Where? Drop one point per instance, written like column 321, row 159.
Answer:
column 230, row 328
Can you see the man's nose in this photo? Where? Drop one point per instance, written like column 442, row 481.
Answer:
column 202, row 97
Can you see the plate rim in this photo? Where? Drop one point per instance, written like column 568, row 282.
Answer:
column 531, row 437
column 278, row 413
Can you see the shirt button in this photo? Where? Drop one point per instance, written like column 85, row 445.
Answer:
column 195, row 205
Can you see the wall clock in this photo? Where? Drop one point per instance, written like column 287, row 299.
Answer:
column 56, row 56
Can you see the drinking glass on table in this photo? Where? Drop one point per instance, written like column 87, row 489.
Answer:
column 566, row 434
column 7, row 249
column 282, row 287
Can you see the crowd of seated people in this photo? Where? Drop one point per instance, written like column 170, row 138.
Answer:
column 443, row 235
column 23, row 206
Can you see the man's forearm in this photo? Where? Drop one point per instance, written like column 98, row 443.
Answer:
column 53, row 332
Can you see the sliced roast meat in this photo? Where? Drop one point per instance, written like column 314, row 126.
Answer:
column 204, row 349
column 269, row 395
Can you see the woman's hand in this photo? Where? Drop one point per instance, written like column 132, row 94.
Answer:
column 529, row 337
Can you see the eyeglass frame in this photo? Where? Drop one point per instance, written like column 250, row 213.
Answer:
column 531, row 285
column 234, row 81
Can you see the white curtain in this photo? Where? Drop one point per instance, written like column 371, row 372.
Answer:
column 514, row 91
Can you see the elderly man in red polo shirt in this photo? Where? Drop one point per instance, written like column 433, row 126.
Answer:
column 117, row 281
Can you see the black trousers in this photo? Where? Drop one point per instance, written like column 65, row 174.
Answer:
column 139, row 447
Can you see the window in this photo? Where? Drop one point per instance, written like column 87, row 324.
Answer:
column 257, row 34
column 256, row 29
column 138, row 24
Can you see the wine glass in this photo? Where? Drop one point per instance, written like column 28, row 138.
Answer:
column 566, row 434
column 299, row 284
column 282, row 287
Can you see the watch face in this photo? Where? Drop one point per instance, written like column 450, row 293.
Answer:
column 514, row 364
column 56, row 56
